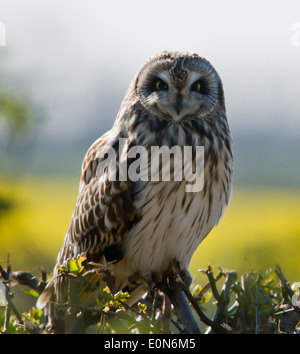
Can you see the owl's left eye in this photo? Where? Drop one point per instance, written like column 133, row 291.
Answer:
column 197, row 86
column 160, row 85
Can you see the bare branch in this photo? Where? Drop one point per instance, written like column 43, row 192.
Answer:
column 171, row 287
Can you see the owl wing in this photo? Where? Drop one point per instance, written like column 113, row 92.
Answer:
column 104, row 211
column 103, row 214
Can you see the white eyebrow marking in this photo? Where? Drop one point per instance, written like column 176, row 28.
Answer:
column 165, row 76
column 194, row 76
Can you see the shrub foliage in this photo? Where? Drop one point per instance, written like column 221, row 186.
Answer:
column 250, row 303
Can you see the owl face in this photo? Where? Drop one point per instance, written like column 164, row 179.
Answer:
column 179, row 86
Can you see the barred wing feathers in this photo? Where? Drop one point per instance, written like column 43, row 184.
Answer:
column 103, row 215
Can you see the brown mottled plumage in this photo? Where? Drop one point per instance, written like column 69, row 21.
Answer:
column 141, row 227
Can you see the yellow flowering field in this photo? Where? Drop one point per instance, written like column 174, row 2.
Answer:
column 260, row 228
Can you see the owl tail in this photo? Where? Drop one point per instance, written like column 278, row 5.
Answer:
column 46, row 295
column 137, row 293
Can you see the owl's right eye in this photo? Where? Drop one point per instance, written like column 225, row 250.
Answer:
column 160, row 85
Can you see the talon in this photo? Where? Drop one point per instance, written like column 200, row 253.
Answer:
column 186, row 277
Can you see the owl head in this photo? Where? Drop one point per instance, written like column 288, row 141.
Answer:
column 179, row 86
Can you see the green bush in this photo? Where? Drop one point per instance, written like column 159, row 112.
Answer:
column 251, row 303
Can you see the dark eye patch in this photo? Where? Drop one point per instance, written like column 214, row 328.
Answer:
column 157, row 84
column 200, row 86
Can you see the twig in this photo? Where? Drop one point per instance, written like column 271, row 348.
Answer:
column 216, row 327
column 212, row 282
column 10, row 307
column 5, row 274
column 207, row 286
column 221, row 314
column 166, row 315
column 27, row 279
column 174, row 291
column 73, row 320
column 132, row 308
column 257, row 315
column 282, row 312
column 285, row 284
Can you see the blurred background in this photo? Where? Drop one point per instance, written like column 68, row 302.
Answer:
column 63, row 74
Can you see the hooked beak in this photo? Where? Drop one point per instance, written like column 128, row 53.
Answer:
column 178, row 103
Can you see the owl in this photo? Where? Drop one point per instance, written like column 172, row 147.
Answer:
column 138, row 228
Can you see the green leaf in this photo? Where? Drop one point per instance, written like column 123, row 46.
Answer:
column 121, row 296
column 142, row 307
column 32, row 292
column 104, row 297
column 266, row 308
column 34, row 315
column 75, row 264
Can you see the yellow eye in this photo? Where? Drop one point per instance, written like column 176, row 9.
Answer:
column 196, row 86
column 161, row 85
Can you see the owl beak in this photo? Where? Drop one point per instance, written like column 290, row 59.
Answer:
column 178, row 103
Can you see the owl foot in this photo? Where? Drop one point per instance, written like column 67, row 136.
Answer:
column 186, row 277
column 184, row 273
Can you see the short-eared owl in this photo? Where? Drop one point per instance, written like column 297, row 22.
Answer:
column 141, row 226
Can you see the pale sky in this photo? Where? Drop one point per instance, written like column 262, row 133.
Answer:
column 76, row 58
